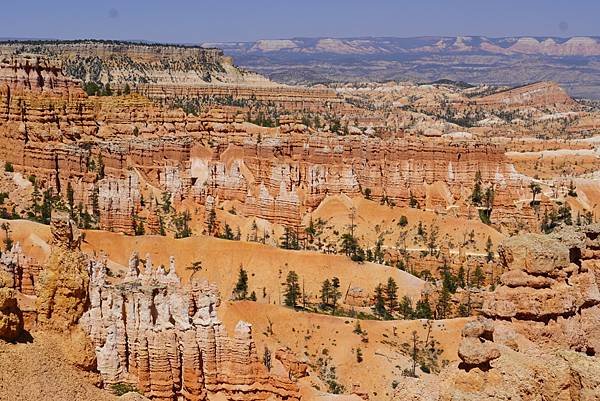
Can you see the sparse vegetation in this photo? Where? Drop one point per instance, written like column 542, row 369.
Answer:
column 120, row 389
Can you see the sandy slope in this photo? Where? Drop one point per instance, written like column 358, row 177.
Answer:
column 373, row 219
column 313, row 336
column 37, row 372
column 267, row 267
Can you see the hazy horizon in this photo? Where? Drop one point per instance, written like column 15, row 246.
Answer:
column 189, row 22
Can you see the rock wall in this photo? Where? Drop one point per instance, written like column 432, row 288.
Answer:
column 121, row 62
column 539, row 336
column 167, row 340
column 20, row 73
column 118, row 148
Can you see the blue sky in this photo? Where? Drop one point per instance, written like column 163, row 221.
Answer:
column 197, row 21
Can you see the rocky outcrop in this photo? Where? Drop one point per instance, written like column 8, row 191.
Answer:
column 296, row 369
column 476, row 348
column 540, row 94
column 11, row 318
column 20, row 73
column 114, row 149
column 539, row 336
column 276, row 173
column 20, row 270
column 167, row 340
column 62, row 288
column 549, row 293
column 121, row 62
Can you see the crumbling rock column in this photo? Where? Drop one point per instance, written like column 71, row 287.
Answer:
column 62, row 289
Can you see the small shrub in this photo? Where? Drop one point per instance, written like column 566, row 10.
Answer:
column 8, row 167
column 357, row 328
column 120, row 389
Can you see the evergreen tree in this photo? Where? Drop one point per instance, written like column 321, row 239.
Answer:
column 311, row 230
column 423, row 309
column 420, row 230
column 478, row 277
column 485, row 214
column 460, row 277
column 564, row 214
column 448, row 280
column 476, row 195
column 137, row 224
column 443, row 306
column 325, row 293
column 8, row 242
column 240, row 291
column 227, row 232
column 254, row 231
column 406, row 308
column 100, row 174
column 413, row 203
column 292, row 290
column 46, row 207
column 166, row 202
column 432, row 240
column 489, row 249
column 378, row 255
column 379, row 307
column 335, row 294
column 182, row 225
column 289, row 239
column 107, row 91
column 572, row 190
column 211, row 221
column 535, row 189
column 391, row 295
column 95, row 202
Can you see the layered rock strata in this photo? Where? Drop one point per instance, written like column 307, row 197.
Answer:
column 111, row 150
column 167, row 340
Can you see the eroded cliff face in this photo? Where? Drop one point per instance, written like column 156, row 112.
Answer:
column 539, row 335
column 113, row 151
column 151, row 331
column 121, row 62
